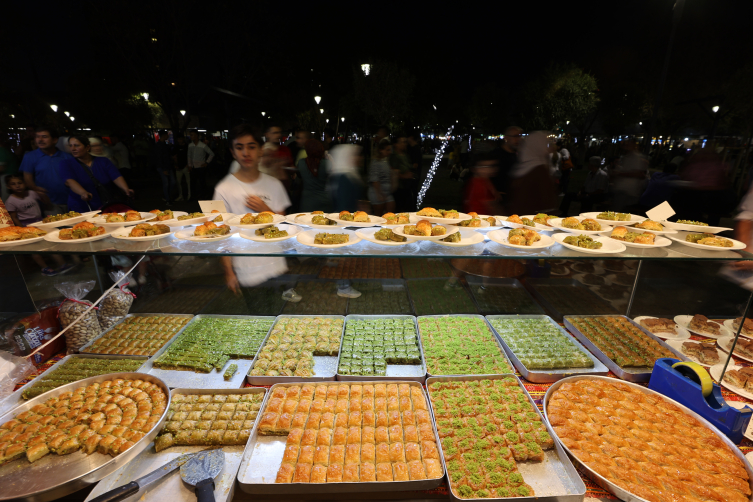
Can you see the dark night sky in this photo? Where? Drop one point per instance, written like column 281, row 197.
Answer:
column 451, row 48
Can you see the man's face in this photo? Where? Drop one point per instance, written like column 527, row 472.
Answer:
column 274, row 134
column 246, row 151
column 300, row 138
column 513, row 139
column 194, row 137
column 44, row 140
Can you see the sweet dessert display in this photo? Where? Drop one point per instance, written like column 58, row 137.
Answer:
column 621, row 341
column 747, row 326
column 320, row 219
column 543, row 219
column 190, row 216
column 352, row 433
column 472, row 223
column 78, row 368
column 456, row 237
column 230, row 372
column 583, row 241
column 741, row 378
column 369, row 345
column 744, row 347
column 209, row 420
column 521, row 221
column 8, row 234
column 691, row 222
column 623, row 234
column 271, row 232
column 701, row 351
column 108, row 417
column 709, row 240
column 540, row 345
column 612, row 216
column 701, row 324
column 396, row 219
column 145, row 229
column 357, row 217
column 324, row 238
column 586, row 224
column 60, row 217
column 122, row 218
column 257, row 219
column 138, row 335
column 82, row 230
column 650, row 225
column 293, row 343
column 523, row 237
column 431, row 297
column 362, row 268
column 659, row 325
column 210, row 230
column 386, row 234
column 439, row 213
column 461, row 345
column 644, row 444
column 486, row 428
column 424, row 229
column 210, row 342
column 165, row 215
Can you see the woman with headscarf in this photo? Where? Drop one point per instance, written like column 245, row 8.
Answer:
column 314, row 171
column 531, row 186
column 345, row 184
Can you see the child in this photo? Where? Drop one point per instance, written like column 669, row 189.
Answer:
column 25, row 208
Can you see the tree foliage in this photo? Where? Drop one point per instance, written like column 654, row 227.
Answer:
column 384, row 94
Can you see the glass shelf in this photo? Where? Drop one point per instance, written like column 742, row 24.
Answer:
column 238, row 246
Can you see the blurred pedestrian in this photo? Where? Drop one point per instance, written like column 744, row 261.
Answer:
column 508, row 157
column 298, row 147
column 564, row 166
column 41, row 168
column 380, row 179
column 199, row 158
column 480, row 195
column 314, row 170
column 160, row 159
column 99, row 148
column 706, row 195
column 120, row 154
column 531, row 187
column 629, row 177
column 661, row 187
column 345, row 184
column 276, row 158
column 594, row 189
column 180, row 153
column 141, row 152
column 416, row 158
column 399, row 161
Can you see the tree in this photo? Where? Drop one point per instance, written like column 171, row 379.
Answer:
column 385, row 93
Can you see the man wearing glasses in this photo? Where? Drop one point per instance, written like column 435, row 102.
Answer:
column 507, row 158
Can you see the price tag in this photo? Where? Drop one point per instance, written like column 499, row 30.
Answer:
column 661, row 212
column 207, row 206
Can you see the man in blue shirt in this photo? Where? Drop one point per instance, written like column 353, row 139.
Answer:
column 41, row 169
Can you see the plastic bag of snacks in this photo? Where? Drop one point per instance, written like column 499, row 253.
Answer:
column 13, row 370
column 28, row 331
column 116, row 305
column 71, row 309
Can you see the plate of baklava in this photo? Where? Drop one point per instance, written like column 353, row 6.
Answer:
column 252, row 221
column 206, row 232
column 702, row 326
column 143, row 232
column 709, row 242
column 667, row 329
column 317, row 219
column 612, row 218
column 425, row 231
column 383, row 236
column 577, row 225
column 440, row 215
column 521, row 238
column 339, row 237
column 639, row 239
column 13, row 236
column 743, row 348
column 275, row 233
column 738, row 379
column 357, row 219
column 591, row 245
column 694, row 226
column 515, row 221
column 651, row 226
column 704, row 354
column 734, row 324
column 465, row 237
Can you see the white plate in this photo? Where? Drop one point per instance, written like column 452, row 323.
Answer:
column 367, row 234
column 557, row 223
column 500, row 237
column 291, row 229
column 716, row 373
column 682, row 333
column 633, row 218
column 731, row 327
column 66, row 223
column 680, row 237
column 665, row 231
column 484, row 225
column 175, row 214
column 490, row 227
column 22, row 241
column 462, row 216
column 187, row 235
column 532, row 216
column 725, row 343
column 307, row 238
column 293, row 218
column 175, row 222
column 509, row 224
column 123, row 233
column 698, row 229
column 53, row 237
column 225, row 217
column 450, row 230
column 677, row 345
column 235, row 221
column 684, row 321
column 659, row 241
column 99, row 221
column 305, row 220
column 610, row 246
column 374, row 221
column 468, row 237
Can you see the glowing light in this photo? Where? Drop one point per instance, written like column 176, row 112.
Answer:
column 54, row 108
column 686, row 139
column 12, row 116
column 263, row 113
column 342, row 119
column 567, row 123
column 432, row 169
column 327, row 121
column 640, row 123
column 321, row 110
column 183, row 112
column 366, row 68
column 67, row 114
column 435, row 106
column 716, row 109
column 317, row 99
column 73, row 118
column 173, row 84
column 145, row 95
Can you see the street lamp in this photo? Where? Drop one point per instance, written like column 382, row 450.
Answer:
column 321, row 110
column 327, row 121
column 54, row 108
column 67, row 114
column 716, row 109
column 183, row 112
column 567, row 122
column 342, row 119
column 263, row 114
column 317, row 99
column 73, row 118
column 145, row 95
column 366, row 69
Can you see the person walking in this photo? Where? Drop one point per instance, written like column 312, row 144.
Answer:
column 41, row 168
column 381, row 179
column 531, row 187
column 199, row 158
column 180, row 151
column 160, row 159
column 400, row 162
column 120, row 154
column 345, row 184
column 141, row 152
column 314, row 171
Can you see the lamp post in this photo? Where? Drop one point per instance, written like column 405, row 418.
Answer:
column 317, row 99
column 54, row 108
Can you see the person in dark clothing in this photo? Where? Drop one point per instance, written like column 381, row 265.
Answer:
column 508, row 156
column 416, row 158
column 180, row 151
column 161, row 159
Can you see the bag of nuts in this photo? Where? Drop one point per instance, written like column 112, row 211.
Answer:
column 116, row 305
column 87, row 328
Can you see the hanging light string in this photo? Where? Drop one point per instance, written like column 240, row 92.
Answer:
column 433, row 169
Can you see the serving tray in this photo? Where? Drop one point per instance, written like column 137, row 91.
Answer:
column 84, row 348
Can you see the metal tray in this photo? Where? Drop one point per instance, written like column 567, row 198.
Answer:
column 514, row 284
column 190, row 316
column 402, row 372
column 325, row 367
column 621, row 493
column 553, row 480
column 212, row 380
column 16, row 398
column 263, row 456
column 629, row 374
column 491, row 331
column 55, row 476
column 535, row 286
column 171, row 487
column 550, row 375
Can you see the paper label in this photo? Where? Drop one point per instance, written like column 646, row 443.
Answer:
column 207, row 206
column 661, row 212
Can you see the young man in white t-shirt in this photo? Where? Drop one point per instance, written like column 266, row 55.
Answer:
column 249, row 190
